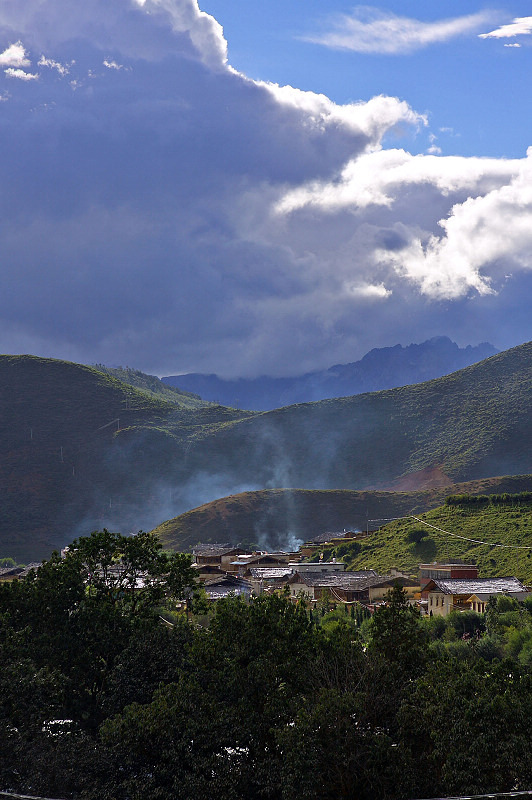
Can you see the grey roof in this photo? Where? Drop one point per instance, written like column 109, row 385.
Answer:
column 344, row 580
column 222, row 587
column 28, row 568
column 480, row 585
column 215, row 549
column 9, row 571
column 264, row 558
column 270, row 573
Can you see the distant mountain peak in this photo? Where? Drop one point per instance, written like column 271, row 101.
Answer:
column 381, row 368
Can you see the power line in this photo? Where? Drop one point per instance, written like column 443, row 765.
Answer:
column 467, row 539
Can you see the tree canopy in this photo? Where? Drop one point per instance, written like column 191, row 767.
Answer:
column 108, row 691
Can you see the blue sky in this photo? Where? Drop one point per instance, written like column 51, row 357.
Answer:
column 461, row 82
column 248, row 188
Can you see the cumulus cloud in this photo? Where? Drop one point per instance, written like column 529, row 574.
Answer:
column 521, row 26
column 379, row 178
column 177, row 216
column 481, row 232
column 20, row 74
column 370, row 30
column 14, row 56
column 148, row 29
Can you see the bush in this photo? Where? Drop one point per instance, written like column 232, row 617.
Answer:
column 416, row 535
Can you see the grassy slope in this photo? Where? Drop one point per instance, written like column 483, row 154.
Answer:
column 494, row 525
column 271, row 516
column 472, row 424
column 51, row 418
column 154, row 387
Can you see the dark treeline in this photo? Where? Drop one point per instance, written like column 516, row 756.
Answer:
column 100, row 698
column 475, row 500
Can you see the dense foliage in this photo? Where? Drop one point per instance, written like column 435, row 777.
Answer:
column 100, row 697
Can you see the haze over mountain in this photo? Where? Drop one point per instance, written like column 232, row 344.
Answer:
column 381, row 368
column 81, row 450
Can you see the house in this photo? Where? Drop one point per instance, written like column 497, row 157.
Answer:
column 318, row 566
column 206, row 571
column 444, row 571
column 469, row 594
column 14, row 573
column 267, row 578
column 218, row 555
column 245, row 561
column 365, row 586
column 218, row 588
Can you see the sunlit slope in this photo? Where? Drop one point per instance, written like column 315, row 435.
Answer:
column 451, row 533
column 274, row 518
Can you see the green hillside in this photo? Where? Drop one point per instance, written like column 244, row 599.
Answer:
column 505, row 530
column 80, row 449
column 472, row 424
column 275, row 518
column 154, row 387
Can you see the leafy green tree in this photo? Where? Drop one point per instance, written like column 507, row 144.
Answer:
column 465, row 725
column 397, row 634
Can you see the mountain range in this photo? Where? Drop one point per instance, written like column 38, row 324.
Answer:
column 80, row 449
column 381, row 368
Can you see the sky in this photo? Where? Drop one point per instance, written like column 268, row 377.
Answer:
column 252, row 188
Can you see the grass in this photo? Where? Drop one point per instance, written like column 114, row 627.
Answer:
column 77, row 441
column 272, row 517
column 460, row 530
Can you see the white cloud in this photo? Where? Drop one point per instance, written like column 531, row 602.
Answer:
column 369, row 30
column 379, row 178
column 149, row 29
column 481, row 233
column 368, row 291
column 521, row 26
column 373, row 118
column 20, row 74
column 14, row 56
column 62, row 69
column 110, row 64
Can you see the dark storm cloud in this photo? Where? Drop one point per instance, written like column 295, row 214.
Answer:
column 161, row 210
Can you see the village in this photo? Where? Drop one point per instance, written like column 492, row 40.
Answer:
column 436, row 590
column 222, row 570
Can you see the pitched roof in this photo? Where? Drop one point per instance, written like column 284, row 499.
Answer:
column 270, row 573
column 217, row 549
column 343, row 580
column 471, row 586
